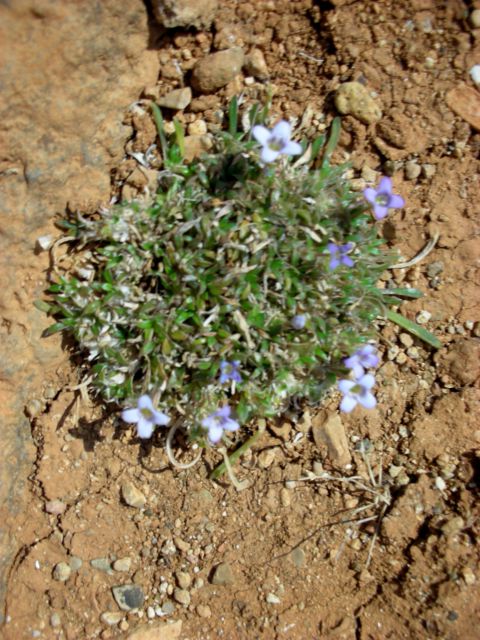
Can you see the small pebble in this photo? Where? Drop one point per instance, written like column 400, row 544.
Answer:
column 132, row 496
column 197, row 128
column 168, row 607
column 266, row 458
column 223, row 574
column 406, row 339
column 111, row 617
column 423, row 317
column 204, row 611
column 475, row 18
column 440, row 483
column 122, row 564
column 55, row 619
column 285, row 497
column 102, row 564
column 401, row 358
column 272, row 599
column 468, row 576
column 62, row 572
column 413, row 353
column 182, row 596
column 150, row 613
column 454, row 525
column 183, row 579
column 412, row 170
column 298, row 557
column 75, row 563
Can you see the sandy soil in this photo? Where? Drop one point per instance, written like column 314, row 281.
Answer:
column 293, row 561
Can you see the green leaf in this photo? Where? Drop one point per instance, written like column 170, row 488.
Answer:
column 402, row 292
column 179, row 137
column 332, row 142
column 54, row 328
column 233, row 116
column 41, row 305
column 157, row 116
column 414, row 328
column 317, row 144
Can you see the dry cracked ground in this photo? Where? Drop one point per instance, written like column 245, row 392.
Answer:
column 99, row 537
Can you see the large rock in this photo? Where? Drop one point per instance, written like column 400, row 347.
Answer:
column 61, row 133
column 185, row 13
column 217, row 69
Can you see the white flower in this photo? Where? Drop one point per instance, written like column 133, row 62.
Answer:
column 145, row 416
column 276, row 141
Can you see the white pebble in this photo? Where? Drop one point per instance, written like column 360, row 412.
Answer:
column 440, row 483
column 475, row 74
column 423, row 317
column 150, row 613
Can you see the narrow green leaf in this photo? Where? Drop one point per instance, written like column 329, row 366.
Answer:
column 317, row 144
column 233, row 116
column 414, row 328
column 179, row 137
column 403, row 292
column 332, row 140
column 157, row 116
column 54, row 328
column 41, row 305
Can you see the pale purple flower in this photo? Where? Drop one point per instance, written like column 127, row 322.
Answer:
column 276, row 141
column 364, row 358
column 145, row 417
column 338, row 255
column 218, row 422
column 357, row 392
column 383, row 199
column 299, row 321
column 229, row 371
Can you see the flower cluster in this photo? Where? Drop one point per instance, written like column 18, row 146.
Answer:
column 232, row 289
column 358, row 390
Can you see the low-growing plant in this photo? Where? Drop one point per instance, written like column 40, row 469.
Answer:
column 245, row 281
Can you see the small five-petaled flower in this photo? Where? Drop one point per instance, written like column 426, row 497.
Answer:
column 229, row 371
column 218, row 422
column 299, row 321
column 364, row 358
column 357, row 392
column 383, row 199
column 338, row 255
column 276, row 141
column 145, row 417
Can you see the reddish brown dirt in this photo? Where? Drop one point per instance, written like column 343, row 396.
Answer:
column 298, row 572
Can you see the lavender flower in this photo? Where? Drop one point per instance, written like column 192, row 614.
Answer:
column 145, row 416
column 276, row 141
column 229, row 371
column 338, row 255
column 298, row 322
column 364, row 358
column 383, row 199
column 218, row 422
column 357, row 392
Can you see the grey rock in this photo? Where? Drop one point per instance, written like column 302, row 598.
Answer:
column 217, row 69
column 128, row 596
column 102, row 564
column 412, row 170
column 168, row 607
column 352, row 98
column 435, row 268
column 298, row 557
column 133, row 496
column 75, row 563
column 177, row 99
column 223, row 575
column 61, row 572
column 185, row 13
